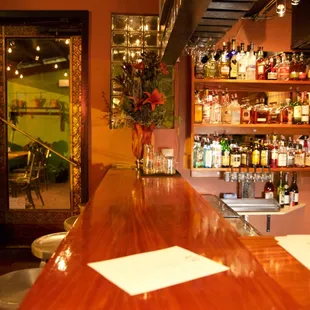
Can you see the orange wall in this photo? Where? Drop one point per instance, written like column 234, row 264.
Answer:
column 273, row 34
column 107, row 146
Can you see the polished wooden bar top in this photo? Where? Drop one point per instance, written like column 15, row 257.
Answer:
column 126, row 216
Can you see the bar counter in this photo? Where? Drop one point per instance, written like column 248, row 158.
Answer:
column 127, row 216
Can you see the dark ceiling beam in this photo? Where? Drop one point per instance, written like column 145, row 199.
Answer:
column 231, row 6
column 212, row 28
column 205, row 34
column 216, row 22
column 223, row 14
column 189, row 16
column 257, row 7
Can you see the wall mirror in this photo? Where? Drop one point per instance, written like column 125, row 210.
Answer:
column 44, row 94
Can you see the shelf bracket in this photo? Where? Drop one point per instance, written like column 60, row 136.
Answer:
column 268, row 223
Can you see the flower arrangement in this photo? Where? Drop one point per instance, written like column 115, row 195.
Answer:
column 142, row 101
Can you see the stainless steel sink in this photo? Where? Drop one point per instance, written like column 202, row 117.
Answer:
column 253, row 205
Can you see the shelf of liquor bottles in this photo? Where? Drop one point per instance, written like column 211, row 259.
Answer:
column 253, row 85
column 258, row 170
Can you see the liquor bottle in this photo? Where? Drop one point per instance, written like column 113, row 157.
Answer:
column 297, row 110
column 225, row 153
column 282, row 154
column 290, row 153
column 307, row 155
column 198, row 153
column 216, row 154
column 260, row 65
column 280, row 191
column 207, row 154
column 232, row 56
column 211, row 67
column 199, row 67
column 274, row 153
column 287, row 113
column 294, row 194
column 246, row 109
column 272, row 73
column 269, row 190
column 235, row 156
column 302, row 75
column 251, row 64
column 198, row 110
column 293, row 68
column 299, row 157
column 261, row 112
column 264, row 155
column 305, row 110
column 274, row 113
column 286, row 190
column 242, row 63
column 226, row 109
column 235, row 110
column 224, row 64
column 284, row 69
column 256, row 155
column 206, row 110
column 216, row 111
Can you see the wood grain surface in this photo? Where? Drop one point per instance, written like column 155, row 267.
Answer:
column 126, row 216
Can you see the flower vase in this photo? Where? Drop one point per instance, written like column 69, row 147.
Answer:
column 141, row 135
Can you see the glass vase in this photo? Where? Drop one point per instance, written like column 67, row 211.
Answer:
column 141, row 135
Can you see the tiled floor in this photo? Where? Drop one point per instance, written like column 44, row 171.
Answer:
column 12, row 259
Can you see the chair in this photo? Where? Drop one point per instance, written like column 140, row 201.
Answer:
column 29, row 180
column 15, row 285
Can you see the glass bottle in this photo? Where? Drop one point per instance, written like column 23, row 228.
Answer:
column 269, row 190
column 264, row 155
column 198, row 152
column 280, row 191
column 251, row 64
column 226, row 109
column 235, row 156
column 225, row 153
column 286, row 195
column 290, row 153
column 305, row 109
column 216, row 154
column 255, row 155
column 284, row 69
column 207, row 154
column 274, row 153
column 199, row 67
column 297, row 110
column 307, row 154
column 235, row 110
column 242, row 63
column 274, row 113
column 224, row 64
column 211, row 67
column 282, row 154
column 261, row 112
column 216, row 111
column 260, row 65
column 293, row 68
column 245, row 117
column 206, row 111
column 294, row 189
column 302, row 75
column 232, row 56
column 299, row 157
column 198, row 110
column 272, row 73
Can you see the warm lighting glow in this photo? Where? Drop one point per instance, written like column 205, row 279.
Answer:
column 37, row 57
column 66, row 74
column 16, row 72
column 10, row 50
column 146, row 28
column 8, row 68
column 38, row 48
column 21, row 76
column 295, row 2
column 137, row 42
column 67, row 41
column 281, row 7
column 55, row 66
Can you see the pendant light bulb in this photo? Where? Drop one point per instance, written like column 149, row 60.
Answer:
column 295, row 2
column 281, row 7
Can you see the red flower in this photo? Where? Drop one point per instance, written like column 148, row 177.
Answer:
column 163, row 68
column 139, row 66
column 155, row 98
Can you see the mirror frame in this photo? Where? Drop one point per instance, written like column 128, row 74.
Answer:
column 26, row 24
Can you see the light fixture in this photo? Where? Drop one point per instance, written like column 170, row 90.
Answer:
column 55, row 66
column 8, row 68
column 21, row 76
column 66, row 74
column 37, row 57
column 16, row 72
column 281, row 7
column 295, row 2
column 10, row 50
column 38, row 48
column 67, row 41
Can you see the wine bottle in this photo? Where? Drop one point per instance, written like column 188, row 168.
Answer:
column 294, row 189
column 269, row 189
column 280, row 191
column 286, row 190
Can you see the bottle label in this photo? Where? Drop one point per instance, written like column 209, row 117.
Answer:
column 307, row 160
column 297, row 111
column 225, row 159
column 225, row 70
column 245, row 115
column 286, row 199
column 260, row 69
column 264, row 158
column 208, row 159
column 235, row 160
column 242, row 68
column 282, row 160
column 199, row 71
column 255, row 158
column 296, row 197
column 272, row 76
column 269, row 195
column 243, row 159
column 299, row 160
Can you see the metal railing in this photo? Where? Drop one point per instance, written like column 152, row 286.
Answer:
column 39, row 142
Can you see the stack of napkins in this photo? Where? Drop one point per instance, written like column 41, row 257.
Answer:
column 150, row 271
column 298, row 246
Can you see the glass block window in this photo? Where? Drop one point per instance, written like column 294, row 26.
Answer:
column 130, row 36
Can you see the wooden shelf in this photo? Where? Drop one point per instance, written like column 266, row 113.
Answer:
column 252, row 129
column 252, row 86
column 284, row 169
column 282, row 211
